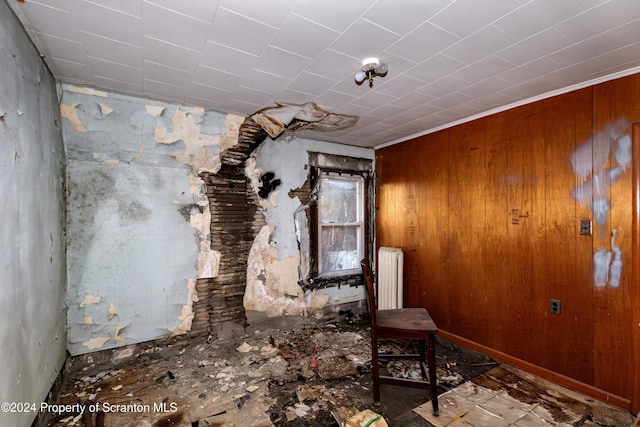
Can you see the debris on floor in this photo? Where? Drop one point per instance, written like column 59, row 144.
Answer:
column 505, row 396
column 277, row 372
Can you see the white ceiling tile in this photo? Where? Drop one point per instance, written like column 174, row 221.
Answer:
column 112, row 24
column 434, row 68
column 163, row 91
column 335, row 14
column 483, row 69
column 420, row 111
column 403, row 16
column 216, row 78
column 203, row 10
column 208, row 104
column 450, row 100
column 584, row 50
column 68, row 70
column 629, row 33
column 397, row 65
column 605, row 17
column 113, row 50
column 272, row 13
column 575, row 73
column 386, row 111
column 373, row 99
column 516, row 93
column 311, row 83
column 265, row 82
column 170, row 55
column 333, row 100
column 251, row 96
column 537, row 16
column 49, row 20
column 282, row 63
column 175, row 28
column 623, row 58
column 209, row 93
column 490, row 101
column 115, row 71
column 364, row 39
column 292, row 96
column 226, row 59
column 412, row 99
column 464, row 17
column 242, row 108
column 485, row 42
column 317, row 38
column 486, row 87
column 423, row 42
column 515, row 50
column 73, row 51
column 398, row 86
column 239, row 32
column 534, row 47
column 130, row 7
column 529, row 71
column 334, row 65
column 443, row 86
column 169, row 75
column 131, row 87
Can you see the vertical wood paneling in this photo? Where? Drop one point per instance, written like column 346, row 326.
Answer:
column 468, row 296
column 433, row 227
column 498, row 233
column 616, row 107
column 635, row 275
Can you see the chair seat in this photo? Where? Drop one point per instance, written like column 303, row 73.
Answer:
column 408, row 320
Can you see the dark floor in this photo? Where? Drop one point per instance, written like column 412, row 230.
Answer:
column 276, row 372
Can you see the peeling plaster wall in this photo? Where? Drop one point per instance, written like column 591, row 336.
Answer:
column 32, row 239
column 138, row 218
column 272, row 273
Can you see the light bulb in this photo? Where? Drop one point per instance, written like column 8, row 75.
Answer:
column 360, row 76
column 381, row 69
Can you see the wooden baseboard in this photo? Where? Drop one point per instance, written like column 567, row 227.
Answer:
column 557, row 378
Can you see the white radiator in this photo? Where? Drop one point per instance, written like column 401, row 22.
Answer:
column 390, row 269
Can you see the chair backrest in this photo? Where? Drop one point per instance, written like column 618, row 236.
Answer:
column 368, row 280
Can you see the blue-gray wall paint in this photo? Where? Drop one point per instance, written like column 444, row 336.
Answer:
column 32, row 236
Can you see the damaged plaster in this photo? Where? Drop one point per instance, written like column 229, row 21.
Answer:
column 139, row 222
column 272, row 276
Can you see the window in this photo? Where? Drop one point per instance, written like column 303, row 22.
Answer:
column 340, row 224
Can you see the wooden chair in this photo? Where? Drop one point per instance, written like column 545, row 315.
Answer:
column 402, row 323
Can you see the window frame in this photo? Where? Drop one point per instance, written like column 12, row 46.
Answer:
column 359, row 224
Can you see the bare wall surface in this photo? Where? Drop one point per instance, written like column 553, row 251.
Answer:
column 138, row 217
column 32, row 239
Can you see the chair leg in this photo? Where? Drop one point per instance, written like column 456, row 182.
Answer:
column 376, row 371
column 433, row 379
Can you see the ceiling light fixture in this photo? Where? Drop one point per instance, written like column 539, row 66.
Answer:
column 371, row 67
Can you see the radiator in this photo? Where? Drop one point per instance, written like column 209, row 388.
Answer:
column 390, row 269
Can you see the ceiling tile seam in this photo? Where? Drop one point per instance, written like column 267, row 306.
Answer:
column 144, row 36
column 54, row 37
column 113, row 62
column 173, row 11
column 114, row 10
column 110, row 39
column 47, row 6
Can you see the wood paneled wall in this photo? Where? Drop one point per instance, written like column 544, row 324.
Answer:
column 488, row 215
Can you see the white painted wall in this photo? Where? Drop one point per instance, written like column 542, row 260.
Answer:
column 32, row 239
